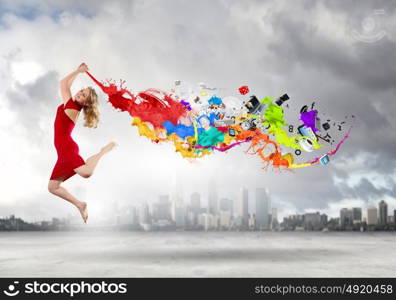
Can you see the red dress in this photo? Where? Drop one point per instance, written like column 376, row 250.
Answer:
column 66, row 147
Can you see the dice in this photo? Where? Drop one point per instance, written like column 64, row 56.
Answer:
column 244, row 90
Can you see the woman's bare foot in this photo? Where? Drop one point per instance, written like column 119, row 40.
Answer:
column 83, row 211
column 108, row 147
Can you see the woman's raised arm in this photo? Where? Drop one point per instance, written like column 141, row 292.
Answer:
column 66, row 82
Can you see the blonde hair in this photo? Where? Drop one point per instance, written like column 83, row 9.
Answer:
column 91, row 110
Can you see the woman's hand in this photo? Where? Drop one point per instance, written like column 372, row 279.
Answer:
column 82, row 68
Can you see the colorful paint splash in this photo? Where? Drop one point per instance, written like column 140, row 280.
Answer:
column 199, row 122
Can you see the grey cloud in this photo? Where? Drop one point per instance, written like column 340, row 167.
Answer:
column 301, row 42
column 365, row 190
column 34, row 102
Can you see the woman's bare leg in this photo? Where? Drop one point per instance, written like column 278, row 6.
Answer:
column 55, row 188
column 87, row 170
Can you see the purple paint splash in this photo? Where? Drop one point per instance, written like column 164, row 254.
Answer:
column 309, row 119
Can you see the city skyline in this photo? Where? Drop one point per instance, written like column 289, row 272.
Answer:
column 170, row 212
column 250, row 201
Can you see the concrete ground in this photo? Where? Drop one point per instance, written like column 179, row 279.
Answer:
column 197, row 254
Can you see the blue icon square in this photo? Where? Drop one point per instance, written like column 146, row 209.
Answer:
column 324, row 160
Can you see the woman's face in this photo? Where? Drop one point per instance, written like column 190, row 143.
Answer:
column 82, row 96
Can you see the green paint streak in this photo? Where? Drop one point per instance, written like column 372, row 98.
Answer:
column 273, row 117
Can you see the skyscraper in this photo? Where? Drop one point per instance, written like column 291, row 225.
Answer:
column 263, row 205
column 177, row 206
column 212, row 197
column 144, row 214
column 195, row 202
column 252, row 222
column 128, row 216
column 323, row 220
column 162, row 208
column 356, row 215
column 274, row 218
column 225, row 219
column 346, row 218
column 178, row 213
column 383, row 212
column 372, row 216
column 225, row 205
column 133, row 215
column 194, row 210
column 242, row 203
column 312, row 221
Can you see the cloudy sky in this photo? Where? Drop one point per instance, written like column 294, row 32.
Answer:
column 340, row 54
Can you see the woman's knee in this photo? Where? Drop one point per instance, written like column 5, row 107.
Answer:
column 83, row 171
column 85, row 174
column 53, row 185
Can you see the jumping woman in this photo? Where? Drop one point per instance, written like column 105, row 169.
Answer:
column 69, row 161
